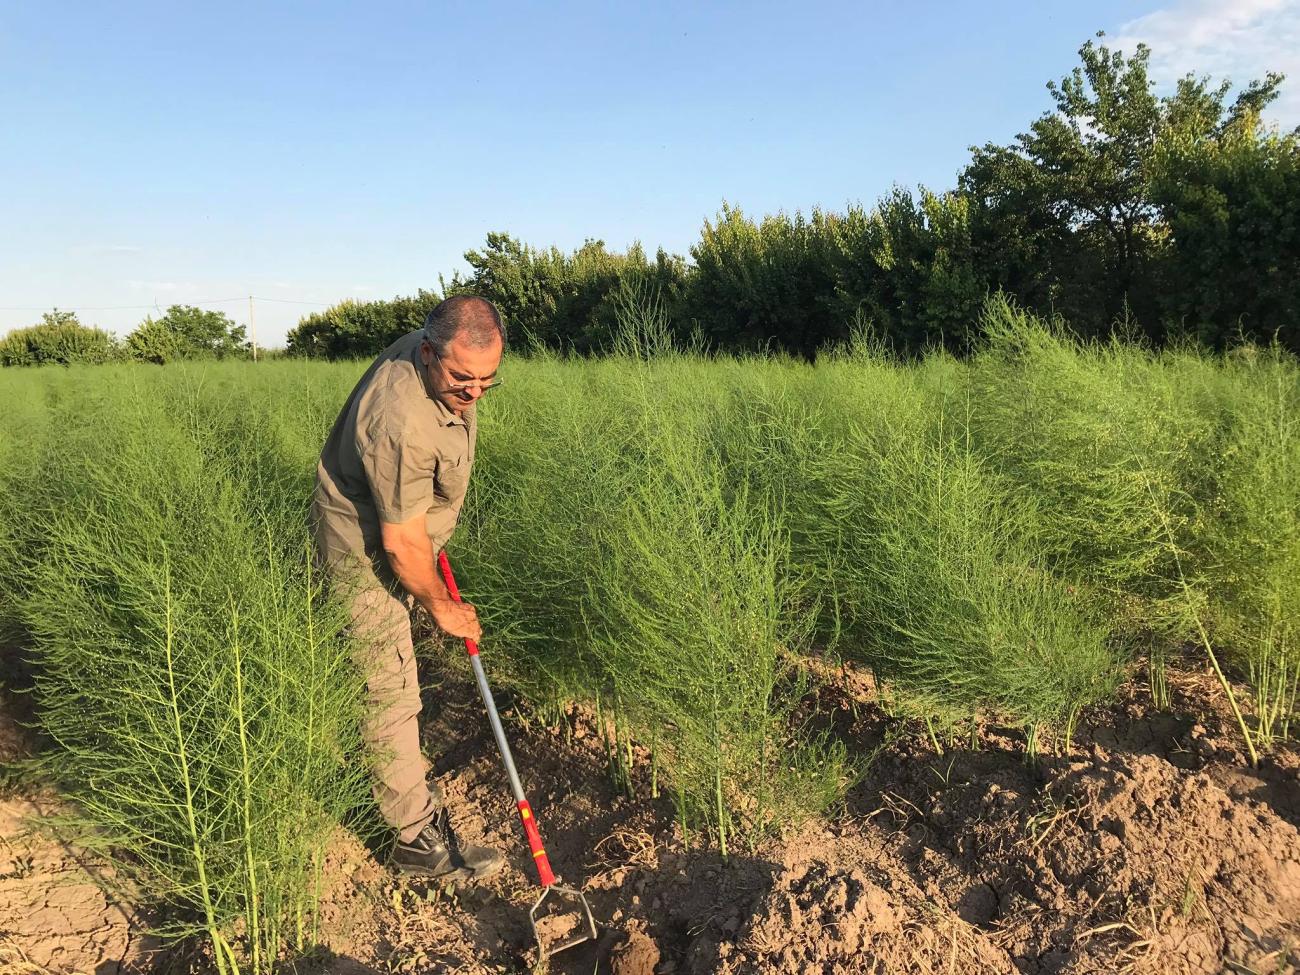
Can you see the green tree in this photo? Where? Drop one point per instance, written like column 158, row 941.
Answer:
column 565, row 300
column 763, row 284
column 1063, row 215
column 907, row 266
column 187, row 332
column 153, row 341
column 1067, row 216
column 800, row 283
column 1229, row 190
column 59, row 339
column 356, row 329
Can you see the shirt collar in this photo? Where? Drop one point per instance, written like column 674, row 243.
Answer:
column 446, row 417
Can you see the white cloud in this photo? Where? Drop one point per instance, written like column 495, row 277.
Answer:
column 1240, row 40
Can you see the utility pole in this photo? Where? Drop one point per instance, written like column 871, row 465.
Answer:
column 252, row 327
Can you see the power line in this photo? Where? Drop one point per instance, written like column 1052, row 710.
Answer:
column 299, row 301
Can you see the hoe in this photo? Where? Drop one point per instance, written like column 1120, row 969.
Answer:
column 564, row 902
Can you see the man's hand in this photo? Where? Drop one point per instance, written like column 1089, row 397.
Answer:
column 458, row 619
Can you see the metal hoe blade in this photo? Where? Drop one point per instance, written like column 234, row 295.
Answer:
column 588, row 925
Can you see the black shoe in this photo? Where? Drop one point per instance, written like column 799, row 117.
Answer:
column 435, row 852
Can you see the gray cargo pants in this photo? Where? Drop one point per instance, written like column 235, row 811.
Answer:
column 381, row 631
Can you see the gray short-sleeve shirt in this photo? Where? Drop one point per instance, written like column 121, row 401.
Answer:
column 394, row 452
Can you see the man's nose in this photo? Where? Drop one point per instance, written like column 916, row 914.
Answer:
column 474, row 391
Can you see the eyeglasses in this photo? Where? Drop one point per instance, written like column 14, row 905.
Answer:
column 482, row 387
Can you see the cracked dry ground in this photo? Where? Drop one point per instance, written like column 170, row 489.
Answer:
column 54, row 913
column 1149, row 848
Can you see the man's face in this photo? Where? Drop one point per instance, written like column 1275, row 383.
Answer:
column 460, row 373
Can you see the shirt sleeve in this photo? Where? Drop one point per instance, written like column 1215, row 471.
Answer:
column 400, row 470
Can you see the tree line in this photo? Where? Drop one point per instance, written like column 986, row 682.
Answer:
column 1169, row 217
column 183, row 332
column 1172, row 217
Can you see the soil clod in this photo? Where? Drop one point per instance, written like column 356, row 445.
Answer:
column 637, row 955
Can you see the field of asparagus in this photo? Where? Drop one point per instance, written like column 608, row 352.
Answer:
column 686, row 558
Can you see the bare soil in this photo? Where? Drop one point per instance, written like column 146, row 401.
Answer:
column 56, row 912
column 1148, row 846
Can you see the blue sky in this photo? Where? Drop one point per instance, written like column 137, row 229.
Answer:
column 160, row 153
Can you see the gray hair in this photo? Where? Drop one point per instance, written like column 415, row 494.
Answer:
column 470, row 317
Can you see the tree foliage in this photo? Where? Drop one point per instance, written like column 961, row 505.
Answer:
column 1173, row 214
column 353, row 329
column 907, row 268
column 60, row 339
column 1102, row 205
column 1230, row 194
column 564, row 300
column 187, row 332
column 765, row 283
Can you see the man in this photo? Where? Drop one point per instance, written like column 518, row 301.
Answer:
column 389, row 488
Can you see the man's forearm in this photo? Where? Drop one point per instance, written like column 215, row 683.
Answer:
column 413, row 564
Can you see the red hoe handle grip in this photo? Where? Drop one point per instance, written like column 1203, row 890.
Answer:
column 544, row 873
